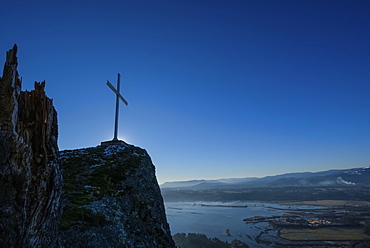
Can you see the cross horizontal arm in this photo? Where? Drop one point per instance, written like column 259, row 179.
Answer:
column 116, row 92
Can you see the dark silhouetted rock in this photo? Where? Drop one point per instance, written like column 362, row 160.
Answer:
column 30, row 180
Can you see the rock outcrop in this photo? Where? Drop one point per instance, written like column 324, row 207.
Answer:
column 30, row 179
column 112, row 199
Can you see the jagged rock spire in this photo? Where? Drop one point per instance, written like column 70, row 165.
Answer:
column 11, row 56
column 30, row 179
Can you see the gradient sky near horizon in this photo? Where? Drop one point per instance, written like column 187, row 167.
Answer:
column 216, row 89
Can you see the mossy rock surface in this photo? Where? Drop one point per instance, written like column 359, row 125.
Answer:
column 112, row 193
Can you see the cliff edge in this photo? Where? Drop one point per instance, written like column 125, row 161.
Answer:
column 112, row 199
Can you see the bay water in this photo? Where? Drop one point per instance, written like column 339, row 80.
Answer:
column 213, row 219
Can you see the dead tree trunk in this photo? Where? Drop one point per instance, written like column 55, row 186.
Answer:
column 30, row 178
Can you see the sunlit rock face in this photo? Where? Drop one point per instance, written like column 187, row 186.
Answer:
column 112, row 199
column 30, row 179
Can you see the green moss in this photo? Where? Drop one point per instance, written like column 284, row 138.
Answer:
column 85, row 183
column 83, row 217
column 133, row 161
column 82, row 198
column 73, row 215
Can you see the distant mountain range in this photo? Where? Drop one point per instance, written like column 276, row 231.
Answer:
column 347, row 177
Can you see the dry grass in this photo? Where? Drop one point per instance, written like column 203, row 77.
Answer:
column 324, row 234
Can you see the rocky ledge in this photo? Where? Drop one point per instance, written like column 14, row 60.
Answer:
column 111, row 199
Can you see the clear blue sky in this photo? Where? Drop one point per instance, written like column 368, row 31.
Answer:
column 216, row 89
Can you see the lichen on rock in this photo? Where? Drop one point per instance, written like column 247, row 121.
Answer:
column 112, row 199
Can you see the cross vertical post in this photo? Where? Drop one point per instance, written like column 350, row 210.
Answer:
column 117, row 107
column 118, row 97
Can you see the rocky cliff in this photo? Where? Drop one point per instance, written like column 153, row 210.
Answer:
column 30, row 179
column 112, row 199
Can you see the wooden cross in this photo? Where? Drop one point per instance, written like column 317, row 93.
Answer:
column 118, row 97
